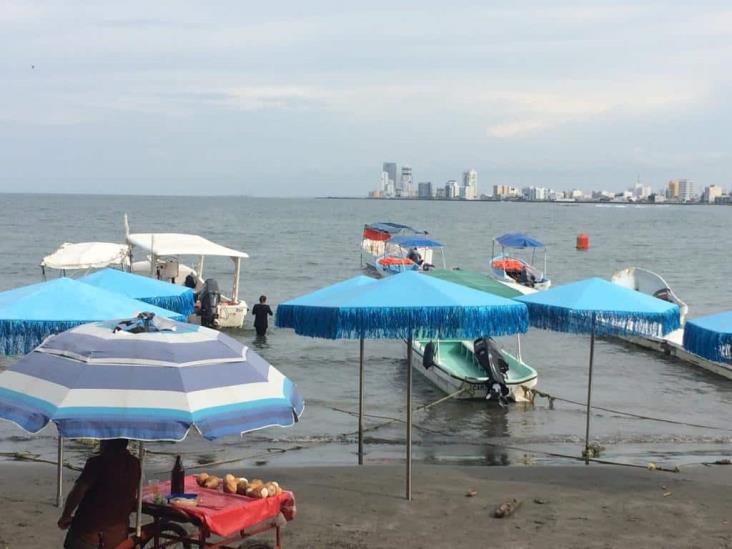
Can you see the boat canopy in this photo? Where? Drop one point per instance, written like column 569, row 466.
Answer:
column 414, row 241
column 384, row 230
column 86, row 255
column 175, row 244
column 518, row 240
column 475, row 280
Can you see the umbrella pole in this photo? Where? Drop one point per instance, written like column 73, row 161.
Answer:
column 360, row 402
column 409, row 419
column 589, row 393
column 138, row 518
column 59, row 471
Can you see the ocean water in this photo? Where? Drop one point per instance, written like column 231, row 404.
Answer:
column 298, row 245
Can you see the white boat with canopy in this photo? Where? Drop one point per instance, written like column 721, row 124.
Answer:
column 84, row 256
column 164, row 252
column 515, row 271
column 392, row 248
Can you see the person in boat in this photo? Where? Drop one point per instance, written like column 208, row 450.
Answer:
column 414, row 255
column 190, row 282
column 261, row 311
column 103, row 498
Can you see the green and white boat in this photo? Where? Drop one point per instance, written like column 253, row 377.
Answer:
column 455, row 367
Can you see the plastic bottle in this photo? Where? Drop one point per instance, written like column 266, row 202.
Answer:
column 177, row 477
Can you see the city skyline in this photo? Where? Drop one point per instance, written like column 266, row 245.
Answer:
column 297, row 100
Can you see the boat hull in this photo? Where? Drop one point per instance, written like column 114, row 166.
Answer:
column 450, row 383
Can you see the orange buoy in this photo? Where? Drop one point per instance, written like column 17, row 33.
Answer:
column 583, row 241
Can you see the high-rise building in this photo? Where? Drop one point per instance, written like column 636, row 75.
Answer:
column 470, row 184
column 390, row 168
column 452, row 189
column 686, row 190
column 406, row 188
column 672, row 190
column 384, row 186
column 424, row 189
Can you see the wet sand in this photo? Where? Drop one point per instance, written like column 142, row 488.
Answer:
column 363, row 507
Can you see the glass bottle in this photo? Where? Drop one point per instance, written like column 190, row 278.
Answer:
column 177, row 477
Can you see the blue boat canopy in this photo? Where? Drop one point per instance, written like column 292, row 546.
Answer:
column 710, row 337
column 29, row 314
column 414, row 241
column 150, row 290
column 599, row 305
column 518, row 240
column 405, row 305
column 392, row 228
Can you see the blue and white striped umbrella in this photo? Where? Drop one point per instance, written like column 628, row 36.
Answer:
column 101, row 382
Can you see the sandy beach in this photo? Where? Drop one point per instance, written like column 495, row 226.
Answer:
column 362, row 507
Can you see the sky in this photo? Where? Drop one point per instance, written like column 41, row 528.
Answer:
column 309, row 98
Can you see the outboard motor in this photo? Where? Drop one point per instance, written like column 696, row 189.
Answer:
column 428, row 358
column 490, row 358
column 210, row 297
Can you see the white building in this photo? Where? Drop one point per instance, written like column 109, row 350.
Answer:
column 452, row 189
column 711, row 193
column 470, row 184
column 406, row 186
column 686, row 190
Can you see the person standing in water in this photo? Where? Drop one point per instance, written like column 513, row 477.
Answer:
column 260, row 311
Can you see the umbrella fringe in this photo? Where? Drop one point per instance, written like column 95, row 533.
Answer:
column 181, row 304
column 707, row 343
column 18, row 337
column 619, row 323
column 403, row 322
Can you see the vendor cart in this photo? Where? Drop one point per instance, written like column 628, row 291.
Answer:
column 217, row 521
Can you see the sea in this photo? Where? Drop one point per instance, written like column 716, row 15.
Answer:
column 299, row 245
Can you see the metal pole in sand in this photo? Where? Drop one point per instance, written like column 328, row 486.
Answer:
column 138, row 518
column 59, row 471
column 589, row 393
column 360, row 401
column 409, row 418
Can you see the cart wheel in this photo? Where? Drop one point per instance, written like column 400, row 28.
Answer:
column 175, row 530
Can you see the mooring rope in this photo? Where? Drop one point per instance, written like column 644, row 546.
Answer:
column 532, row 393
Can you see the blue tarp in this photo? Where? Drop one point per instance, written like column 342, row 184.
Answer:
column 518, row 240
column 150, row 290
column 404, row 305
column 414, row 241
column 710, row 337
column 29, row 314
column 614, row 310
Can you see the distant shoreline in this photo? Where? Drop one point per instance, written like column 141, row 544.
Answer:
column 558, row 202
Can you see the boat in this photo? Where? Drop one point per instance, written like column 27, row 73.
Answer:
column 671, row 344
column 391, row 248
column 163, row 261
column 513, row 270
column 452, row 365
column 77, row 259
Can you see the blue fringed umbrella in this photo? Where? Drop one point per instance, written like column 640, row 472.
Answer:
column 150, row 290
column 710, row 337
column 403, row 306
column 598, row 307
column 31, row 313
column 146, row 379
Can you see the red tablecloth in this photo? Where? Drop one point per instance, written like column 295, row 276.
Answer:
column 225, row 514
